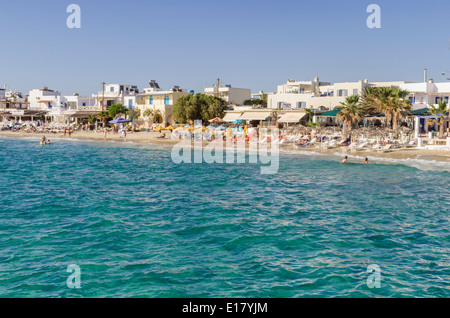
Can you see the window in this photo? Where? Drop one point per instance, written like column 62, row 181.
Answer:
column 111, row 89
column 301, row 105
column 166, row 100
column 130, row 103
column 342, row 93
column 355, row 91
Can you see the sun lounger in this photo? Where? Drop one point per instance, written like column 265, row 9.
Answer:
column 376, row 147
column 410, row 144
column 331, row 144
column 361, row 146
column 386, row 148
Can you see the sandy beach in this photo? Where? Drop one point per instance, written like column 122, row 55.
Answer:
column 151, row 137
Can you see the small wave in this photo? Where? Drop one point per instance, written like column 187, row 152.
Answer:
column 421, row 164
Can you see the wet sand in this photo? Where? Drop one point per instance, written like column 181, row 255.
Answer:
column 151, row 137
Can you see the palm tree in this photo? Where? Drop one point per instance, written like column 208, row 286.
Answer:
column 393, row 103
column 351, row 113
column 149, row 114
column 440, row 110
column 401, row 106
column 134, row 114
column 103, row 116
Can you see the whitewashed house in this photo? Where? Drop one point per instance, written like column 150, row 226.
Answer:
column 233, row 95
column 116, row 94
column 319, row 95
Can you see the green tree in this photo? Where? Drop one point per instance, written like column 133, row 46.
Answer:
column 103, row 116
column 198, row 106
column 117, row 109
column 440, row 110
column 351, row 112
column 392, row 102
column 134, row 114
column 256, row 101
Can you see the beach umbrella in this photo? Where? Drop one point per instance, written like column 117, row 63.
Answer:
column 191, row 128
column 180, row 128
column 216, row 120
column 170, row 127
column 159, row 128
column 120, row 121
column 238, row 121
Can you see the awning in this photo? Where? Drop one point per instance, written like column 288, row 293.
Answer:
column 331, row 113
column 84, row 114
column 421, row 111
column 230, row 117
column 255, row 115
column 291, row 117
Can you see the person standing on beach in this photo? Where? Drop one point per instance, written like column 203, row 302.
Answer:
column 106, row 131
column 124, row 133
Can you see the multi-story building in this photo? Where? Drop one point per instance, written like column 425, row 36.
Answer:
column 116, row 94
column 426, row 93
column 234, row 96
column 319, row 95
column 159, row 101
column 47, row 99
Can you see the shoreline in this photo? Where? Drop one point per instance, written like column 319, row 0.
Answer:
column 151, row 138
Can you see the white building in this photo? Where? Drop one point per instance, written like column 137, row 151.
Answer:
column 234, row 96
column 318, row 95
column 47, row 99
column 116, row 94
column 426, row 93
column 82, row 103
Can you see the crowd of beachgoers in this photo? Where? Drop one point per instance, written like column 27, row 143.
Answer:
column 381, row 141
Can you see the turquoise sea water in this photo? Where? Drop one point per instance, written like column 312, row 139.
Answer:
column 139, row 225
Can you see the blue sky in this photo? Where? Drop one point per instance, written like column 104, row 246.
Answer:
column 255, row 44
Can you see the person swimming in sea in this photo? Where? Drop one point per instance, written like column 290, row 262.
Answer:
column 344, row 160
column 366, row 161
